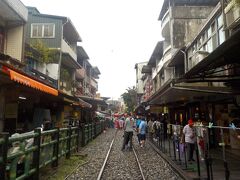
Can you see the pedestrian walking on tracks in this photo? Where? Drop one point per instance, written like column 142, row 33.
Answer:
column 121, row 123
column 138, row 122
column 142, row 131
column 150, row 128
column 128, row 132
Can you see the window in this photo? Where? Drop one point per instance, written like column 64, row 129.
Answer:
column 221, row 36
column 221, row 33
column 209, row 46
column 220, row 21
column 209, row 33
column 213, row 27
column 43, row 30
column 48, row 30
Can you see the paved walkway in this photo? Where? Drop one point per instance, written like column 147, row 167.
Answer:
column 193, row 170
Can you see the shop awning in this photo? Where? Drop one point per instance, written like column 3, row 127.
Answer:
column 76, row 101
column 190, row 94
column 84, row 103
column 15, row 76
column 94, row 101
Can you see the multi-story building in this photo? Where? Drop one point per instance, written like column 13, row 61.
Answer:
column 13, row 16
column 140, row 77
column 67, row 64
column 180, row 21
column 87, row 76
column 196, row 74
column 212, row 60
column 59, row 37
column 38, row 64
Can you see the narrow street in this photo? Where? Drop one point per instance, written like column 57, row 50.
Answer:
column 77, row 76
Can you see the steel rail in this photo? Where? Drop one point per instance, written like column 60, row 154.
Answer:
column 139, row 165
column 106, row 158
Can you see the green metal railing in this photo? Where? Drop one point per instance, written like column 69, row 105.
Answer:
column 24, row 155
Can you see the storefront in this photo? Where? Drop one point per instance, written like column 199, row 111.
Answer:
column 25, row 102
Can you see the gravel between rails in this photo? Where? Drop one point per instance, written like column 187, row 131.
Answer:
column 121, row 164
column 96, row 152
column 153, row 165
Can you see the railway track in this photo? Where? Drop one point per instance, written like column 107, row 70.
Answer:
column 107, row 165
column 106, row 162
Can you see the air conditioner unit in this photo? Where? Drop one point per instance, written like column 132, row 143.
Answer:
column 232, row 12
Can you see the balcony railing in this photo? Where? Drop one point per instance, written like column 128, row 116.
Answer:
column 197, row 57
column 41, row 77
column 66, row 48
column 166, row 56
column 87, row 80
column 94, row 84
column 165, row 18
column 165, row 25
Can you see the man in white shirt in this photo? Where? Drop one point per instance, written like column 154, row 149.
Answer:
column 128, row 132
column 190, row 139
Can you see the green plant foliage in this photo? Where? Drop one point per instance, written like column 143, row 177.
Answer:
column 66, row 77
column 42, row 53
column 66, row 166
column 64, row 74
column 130, row 98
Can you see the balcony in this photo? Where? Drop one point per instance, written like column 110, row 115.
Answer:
column 66, row 48
column 13, row 11
column 167, row 54
column 165, row 25
column 88, row 92
column 166, row 57
column 41, row 77
column 87, row 80
column 94, row 84
column 80, row 73
column 197, row 57
column 65, row 86
column 78, row 84
column 232, row 12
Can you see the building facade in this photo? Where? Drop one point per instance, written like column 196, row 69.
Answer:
column 194, row 70
column 39, row 65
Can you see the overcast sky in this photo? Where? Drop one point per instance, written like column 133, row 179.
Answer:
column 116, row 35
